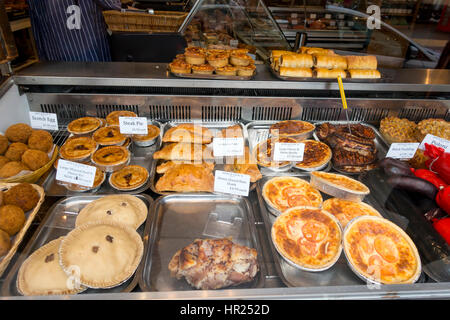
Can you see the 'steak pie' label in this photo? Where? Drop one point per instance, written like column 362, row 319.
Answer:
column 288, row 151
column 76, row 173
column 224, row 147
column 43, row 120
column 133, row 125
column 404, row 151
column 232, row 183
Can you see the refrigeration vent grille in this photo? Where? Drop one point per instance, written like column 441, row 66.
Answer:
column 320, row 114
column 65, row 112
column 221, row 113
column 169, row 112
column 368, row 114
column 271, row 113
column 104, row 109
column 417, row 114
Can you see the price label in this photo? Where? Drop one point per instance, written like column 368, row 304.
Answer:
column 294, row 21
column 43, row 120
column 294, row 15
column 328, row 16
column 133, row 125
column 234, row 43
column 402, row 150
column 288, row 151
column 435, row 141
column 341, row 16
column 313, row 16
column 228, row 147
column 233, row 183
column 74, row 172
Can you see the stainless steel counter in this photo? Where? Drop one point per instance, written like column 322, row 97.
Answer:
column 123, row 74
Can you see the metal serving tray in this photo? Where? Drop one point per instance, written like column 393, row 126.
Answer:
column 339, row 274
column 258, row 131
column 139, row 156
column 180, row 219
column 59, row 221
column 214, row 127
column 211, row 76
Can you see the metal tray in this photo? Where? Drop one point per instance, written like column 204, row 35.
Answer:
column 139, row 156
column 340, row 274
column 59, row 221
column 380, row 144
column 211, row 76
column 258, row 131
column 214, row 127
column 384, row 78
column 180, row 219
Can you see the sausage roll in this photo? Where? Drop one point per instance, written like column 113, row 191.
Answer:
column 364, row 74
column 333, row 73
column 297, row 60
column 362, row 62
column 330, row 62
column 275, row 54
column 314, row 50
column 296, row 72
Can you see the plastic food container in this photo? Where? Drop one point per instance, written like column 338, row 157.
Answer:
column 337, row 190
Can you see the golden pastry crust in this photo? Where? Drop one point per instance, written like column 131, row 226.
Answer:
column 186, row 178
column 316, row 155
column 40, row 274
column 111, row 156
column 342, row 182
column 315, row 50
column 108, row 136
column 107, row 253
column 282, row 193
column 19, row 132
column 188, row 133
column 395, row 129
column 244, row 165
column 40, row 140
column 203, row 69
column 246, row 71
column 15, row 151
column 112, row 119
column 296, row 72
column 35, row 159
column 436, row 127
column 234, row 131
column 84, row 125
column 291, row 128
column 296, row 60
column 227, row 71
column 152, row 133
column 195, row 55
column 345, row 210
column 184, row 152
column 362, row 62
column 308, row 237
column 333, row 73
column 330, row 62
column 218, row 60
column 380, row 251
column 263, row 152
column 275, row 54
column 364, row 74
column 240, row 59
column 180, row 66
column 164, row 167
column 129, row 178
column 77, row 149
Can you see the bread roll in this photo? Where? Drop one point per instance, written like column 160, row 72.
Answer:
column 296, row 72
column 330, row 62
column 362, row 62
column 333, row 73
column 364, row 74
column 297, row 60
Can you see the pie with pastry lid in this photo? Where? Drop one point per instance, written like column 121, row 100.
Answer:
column 111, row 157
column 106, row 253
column 41, row 274
column 381, row 252
column 282, row 193
column 129, row 178
column 291, row 128
column 309, row 238
column 264, row 152
column 124, row 209
column 78, row 148
column 112, row 119
column 346, row 210
column 316, row 155
column 84, row 125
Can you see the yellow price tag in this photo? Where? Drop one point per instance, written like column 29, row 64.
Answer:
column 341, row 90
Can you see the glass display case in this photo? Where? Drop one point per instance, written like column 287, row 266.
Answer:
column 234, row 23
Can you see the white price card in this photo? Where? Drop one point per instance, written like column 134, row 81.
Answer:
column 435, row 141
column 133, row 125
column 313, row 16
column 224, row 147
column 233, row 183
column 44, row 120
column 288, row 151
column 294, row 15
column 328, row 16
column 234, row 43
column 402, row 150
column 74, row 172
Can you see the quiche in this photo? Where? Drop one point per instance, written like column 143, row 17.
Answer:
column 188, row 133
column 186, row 178
column 124, row 209
column 338, row 185
column 111, row 158
column 41, row 274
column 108, row 136
column 307, row 237
column 380, row 252
column 78, row 148
column 112, row 119
column 282, row 193
column 292, row 128
column 129, row 178
column 345, row 210
column 145, row 140
column 317, row 155
column 106, row 253
column 265, row 149
column 84, row 125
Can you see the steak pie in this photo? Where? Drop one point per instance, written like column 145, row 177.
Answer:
column 143, row 140
column 282, row 193
column 108, row 136
column 379, row 251
column 106, row 253
column 84, row 125
column 112, row 119
column 129, row 178
column 111, row 158
column 309, row 238
column 345, row 210
column 78, row 148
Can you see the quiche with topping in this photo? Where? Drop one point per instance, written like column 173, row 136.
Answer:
column 345, row 210
column 292, row 128
column 316, row 155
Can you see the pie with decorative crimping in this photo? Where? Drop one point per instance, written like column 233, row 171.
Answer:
column 112, row 119
column 108, row 136
column 111, row 158
column 129, row 178
column 84, row 125
column 78, row 148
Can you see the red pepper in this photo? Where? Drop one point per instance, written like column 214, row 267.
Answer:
column 443, row 199
column 442, row 226
column 430, row 177
column 439, row 161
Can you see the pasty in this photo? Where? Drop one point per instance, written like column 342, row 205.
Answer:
column 184, row 152
column 186, row 178
column 188, row 133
